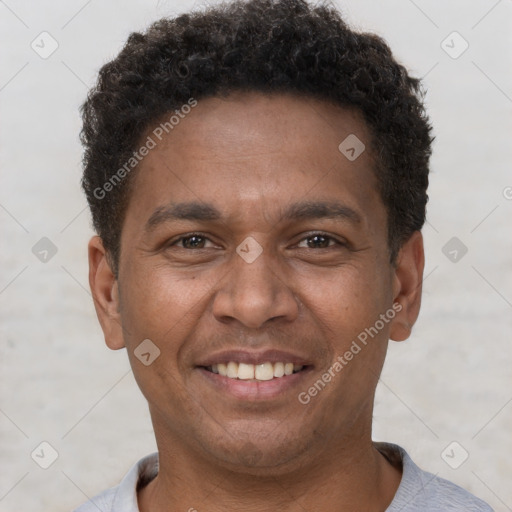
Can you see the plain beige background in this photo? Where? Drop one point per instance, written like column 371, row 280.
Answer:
column 451, row 382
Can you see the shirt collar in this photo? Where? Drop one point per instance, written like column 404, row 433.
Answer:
column 125, row 499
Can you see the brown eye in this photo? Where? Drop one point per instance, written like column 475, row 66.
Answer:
column 320, row 241
column 192, row 241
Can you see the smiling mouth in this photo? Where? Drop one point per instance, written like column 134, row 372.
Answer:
column 255, row 372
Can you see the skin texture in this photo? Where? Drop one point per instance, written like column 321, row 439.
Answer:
column 251, row 156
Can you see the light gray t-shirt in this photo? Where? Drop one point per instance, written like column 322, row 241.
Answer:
column 419, row 491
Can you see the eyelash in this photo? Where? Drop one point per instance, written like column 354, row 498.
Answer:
column 311, row 235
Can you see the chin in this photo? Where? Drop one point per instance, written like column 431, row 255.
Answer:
column 257, row 455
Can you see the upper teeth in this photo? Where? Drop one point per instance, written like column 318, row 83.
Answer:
column 264, row 371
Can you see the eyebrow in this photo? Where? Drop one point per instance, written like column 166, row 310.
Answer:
column 207, row 212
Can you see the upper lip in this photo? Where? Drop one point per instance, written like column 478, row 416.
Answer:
column 254, row 357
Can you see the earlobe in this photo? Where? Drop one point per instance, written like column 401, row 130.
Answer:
column 407, row 286
column 105, row 293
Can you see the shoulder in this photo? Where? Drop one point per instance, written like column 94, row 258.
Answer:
column 123, row 497
column 439, row 494
column 103, row 502
column 452, row 497
column 423, row 491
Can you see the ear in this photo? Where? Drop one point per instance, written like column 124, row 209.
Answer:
column 407, row 286
column 105, row 293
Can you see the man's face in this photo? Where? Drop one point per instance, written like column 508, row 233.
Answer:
column 262, row 278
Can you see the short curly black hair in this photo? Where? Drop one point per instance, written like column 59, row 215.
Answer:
column 267, row 46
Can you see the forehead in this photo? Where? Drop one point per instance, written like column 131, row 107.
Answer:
column 245, row 125
column 251, row 153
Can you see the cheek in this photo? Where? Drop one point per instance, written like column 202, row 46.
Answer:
column 158, row 307
column 348, row 302
column 156, row 303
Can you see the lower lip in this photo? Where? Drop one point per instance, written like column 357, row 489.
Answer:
column 256, row 390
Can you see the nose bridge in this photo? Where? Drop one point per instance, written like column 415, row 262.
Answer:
column 253, row 291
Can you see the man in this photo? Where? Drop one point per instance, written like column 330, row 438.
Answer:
column 257, row 176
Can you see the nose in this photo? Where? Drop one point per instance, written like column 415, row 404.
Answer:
column 255, row 293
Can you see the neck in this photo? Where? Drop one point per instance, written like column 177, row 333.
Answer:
column 350, row 475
